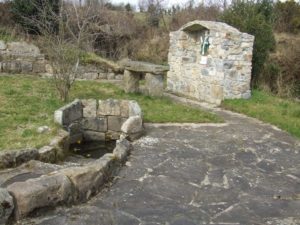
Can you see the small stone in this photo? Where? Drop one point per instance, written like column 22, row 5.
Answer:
column 47, row 154
column 109, row 107
column 110, row 76
column 43, row 129
column 134, row 109
column 6, row 205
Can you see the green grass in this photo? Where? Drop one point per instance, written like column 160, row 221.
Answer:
column 29, row 102
column 282, row 113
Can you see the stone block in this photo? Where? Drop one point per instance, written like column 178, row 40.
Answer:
column 45, row 191
column 114, row 123
column 131, row 82
column 6, row 206
column 94, row 136
column 154, row 84
column 26, row 67
column 2, row 45
column 69, row 113
column 89, row 107
column 134, row 109
column 26, row 155
column 102, row 76
column 133, row 124
column 47, row 154
column 87, row 180
column 48, row 69
column 119, row 77
column 122, row 149
column 107, row 164
column 90, row 76
column 99, row 124
column 124, row 108
column 110, row 76
column 109, row 107
column 11, row 66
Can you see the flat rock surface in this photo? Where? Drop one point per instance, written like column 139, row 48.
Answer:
column 241, row 172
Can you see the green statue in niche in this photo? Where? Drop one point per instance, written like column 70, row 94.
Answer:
column 205, row 43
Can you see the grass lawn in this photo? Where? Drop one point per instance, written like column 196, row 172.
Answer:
column 29, row 102
column 282, row 113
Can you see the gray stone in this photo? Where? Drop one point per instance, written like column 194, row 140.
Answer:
column 69, row 113
column 87, row 180
column 154, row 84
column 2, row 45
column 133, row 124
column 40, row 192
column 26, row 67
column 122, row 149
column 134, row 109
column 109, row 107
column 89, row 107
column 43, row 129
column 47, row 154
column 102, row 76
column 119, row 77
column 90, row 76
column 124, row 108
column 7, row 159
column 146, row 67
column 114, row 123
column 23, row 48
column 95, row 124
column 110, row 76
column 6, row 205
column 22, row 156
column 93, row 136
column 131, row 82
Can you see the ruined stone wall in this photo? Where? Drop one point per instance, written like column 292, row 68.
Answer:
column 21, row 57
column 102, row 120
column 224, row 72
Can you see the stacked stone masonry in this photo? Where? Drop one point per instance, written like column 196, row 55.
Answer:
column 221, row 71
column 25, row 58
column 92, row 120
column 21, row 57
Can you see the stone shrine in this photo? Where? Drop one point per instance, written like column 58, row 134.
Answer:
column 210, row 61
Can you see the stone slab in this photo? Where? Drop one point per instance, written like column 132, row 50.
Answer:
column 114, row 123
column 69, row 113
column 138, row 66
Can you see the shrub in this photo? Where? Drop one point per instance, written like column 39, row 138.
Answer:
column 5, row 14
column 255, row 18
column 288, row 16
column 29, row 13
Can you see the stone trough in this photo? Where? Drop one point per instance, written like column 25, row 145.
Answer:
column 34, row 182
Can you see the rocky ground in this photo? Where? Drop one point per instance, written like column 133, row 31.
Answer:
column 240, row 172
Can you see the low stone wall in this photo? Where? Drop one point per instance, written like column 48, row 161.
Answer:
column 104, row 120
column 21, row 57
column 65, row 186
column 87, row 72
column 55, row 151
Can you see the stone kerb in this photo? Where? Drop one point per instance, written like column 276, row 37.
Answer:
column 93, row 120
column 65, row 186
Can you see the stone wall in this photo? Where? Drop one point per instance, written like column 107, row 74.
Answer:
column 221, row 72
column 89, row 72
column 93, row 120
column 21, row 57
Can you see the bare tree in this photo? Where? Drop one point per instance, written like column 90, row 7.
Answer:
column 63, row 45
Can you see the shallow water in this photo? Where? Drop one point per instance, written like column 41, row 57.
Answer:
column 93, row 149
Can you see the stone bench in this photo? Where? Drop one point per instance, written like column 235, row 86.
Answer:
column 154, row 76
